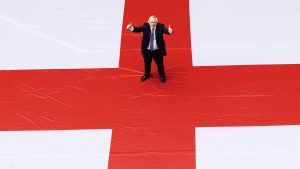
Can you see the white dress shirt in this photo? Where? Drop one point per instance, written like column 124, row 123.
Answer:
column 155, row 44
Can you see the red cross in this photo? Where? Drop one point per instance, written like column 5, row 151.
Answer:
column 153, row 124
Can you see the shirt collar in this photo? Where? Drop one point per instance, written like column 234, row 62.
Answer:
column 154, row 29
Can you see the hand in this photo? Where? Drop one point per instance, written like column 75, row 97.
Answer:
column 129, row 26
column 170, row 30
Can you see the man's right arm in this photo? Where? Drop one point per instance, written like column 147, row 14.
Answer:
column 135, row 29
column 138, row 29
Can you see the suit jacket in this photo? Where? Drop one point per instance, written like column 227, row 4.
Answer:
column 160, row 30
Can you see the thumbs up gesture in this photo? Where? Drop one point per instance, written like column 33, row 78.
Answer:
column 129, row 26
column 170, row 30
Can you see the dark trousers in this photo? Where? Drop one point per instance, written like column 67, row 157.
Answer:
column 158, row 58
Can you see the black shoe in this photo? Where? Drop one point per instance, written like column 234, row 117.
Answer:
column 144, row 77
column 163, row 79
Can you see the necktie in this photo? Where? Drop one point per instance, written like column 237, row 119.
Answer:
column 152, row 40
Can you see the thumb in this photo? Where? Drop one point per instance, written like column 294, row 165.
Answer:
column 169, row 27
column 130, row 23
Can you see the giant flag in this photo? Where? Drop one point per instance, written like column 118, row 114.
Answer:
column 71, row 96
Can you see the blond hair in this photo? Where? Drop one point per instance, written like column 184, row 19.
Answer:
column 153, row 17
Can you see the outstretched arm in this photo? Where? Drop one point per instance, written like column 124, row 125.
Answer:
column 135, row 29
column 168, row 31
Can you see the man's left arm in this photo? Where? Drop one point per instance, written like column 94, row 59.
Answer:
column 168, row 30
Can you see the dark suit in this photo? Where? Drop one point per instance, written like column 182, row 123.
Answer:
column 158, row 54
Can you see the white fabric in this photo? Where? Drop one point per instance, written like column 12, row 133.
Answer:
column 64, row 149
column 60, row 34
column 245, row 32
column 272, row 147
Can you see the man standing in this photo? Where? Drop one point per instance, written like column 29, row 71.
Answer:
column 153, row 45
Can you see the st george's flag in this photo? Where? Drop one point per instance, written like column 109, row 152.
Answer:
column 70, row 95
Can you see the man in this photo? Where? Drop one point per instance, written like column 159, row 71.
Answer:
column 153, row 45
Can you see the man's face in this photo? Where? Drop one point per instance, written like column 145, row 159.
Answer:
column 153, row 22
